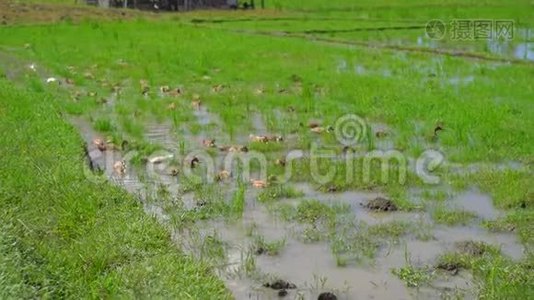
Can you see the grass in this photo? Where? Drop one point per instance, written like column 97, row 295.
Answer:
column 312, row 211
column 443, row 215
column 502, row 278
column 442, row 97
column 64, row 236
column 278, row 192
column 354, row 242
column 412, row 276
column 271, row 248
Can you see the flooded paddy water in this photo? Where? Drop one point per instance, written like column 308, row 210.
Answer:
column 262, row 255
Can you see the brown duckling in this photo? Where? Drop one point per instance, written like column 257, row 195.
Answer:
column 280, row 162
column 174, row 171
column 223, row 175
column 218, row 88
column 164, row 89
column 258, row 138
column 259, row 184
column 317, row 130
column 196, row 104
column 171, row 106
column 120, row 167
column 439, row 127
column 100, row 144
column 176, row 92
column 195, row 161
column 209, row 143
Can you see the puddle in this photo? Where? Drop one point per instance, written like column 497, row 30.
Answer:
column 525, row 51
column 423, row 41
column 356, row 201
column 161, row 134
column 342, row 66
column 508, row 242
column 203, row 116
column 477, row 203
column 477, row 167
column 457, row 80
column 312, row 267
column 258, row 124
column 360, row 70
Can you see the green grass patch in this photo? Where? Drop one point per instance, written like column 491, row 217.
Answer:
column 447, row 216
column 63, row 236
column 412, row 276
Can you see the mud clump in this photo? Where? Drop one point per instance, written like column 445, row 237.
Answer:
column 327, row 296
column 471, row 248
column 451, row 267
column 381, row 204
column 260, row 251
column 282, row 293
column 280, row 285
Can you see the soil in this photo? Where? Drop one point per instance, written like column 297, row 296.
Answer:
column 381, row 204
column 280, row 285
column 327, row 296
column 452, row 268
column 19, row 12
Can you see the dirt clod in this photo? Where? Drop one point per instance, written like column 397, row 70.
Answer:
column 332, row 189
column 450, row 267
column 381, row 204
column 282, row 293
column 280, row 284
column 327, row 296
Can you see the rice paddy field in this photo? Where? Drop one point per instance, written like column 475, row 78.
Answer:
column 309, row 150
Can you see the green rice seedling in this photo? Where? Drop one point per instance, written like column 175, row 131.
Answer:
column 271, row 248
column 447, row 216
column 238, row 201
column 102, row 124
column 412, row 276
column 277, row 192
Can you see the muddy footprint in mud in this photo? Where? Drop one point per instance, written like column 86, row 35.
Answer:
column 380, row 204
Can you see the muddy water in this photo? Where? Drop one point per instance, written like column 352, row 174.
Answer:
column 258, row 124
column 203, row 116
column 477, row 203
column 162, row 134
column 310, row 266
